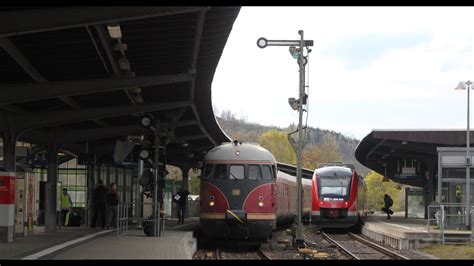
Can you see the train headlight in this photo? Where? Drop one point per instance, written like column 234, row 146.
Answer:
column 345, row 203
column 211, row 201
column 260, row 201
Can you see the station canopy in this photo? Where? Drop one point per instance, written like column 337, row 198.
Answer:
column 83, row 77
column 406, row 155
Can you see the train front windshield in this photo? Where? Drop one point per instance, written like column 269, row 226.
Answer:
column 332, row 186
column 239, row 172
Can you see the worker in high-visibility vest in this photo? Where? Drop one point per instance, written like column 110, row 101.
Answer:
column 66, row 205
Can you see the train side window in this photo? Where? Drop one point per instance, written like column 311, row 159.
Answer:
column 237, row 172
column 220, row 171
column 208, row 171
column 254, row 172
column 267, row 172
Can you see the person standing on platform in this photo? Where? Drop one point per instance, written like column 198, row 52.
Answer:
column 180, row 199
column 112, row 201
column 388, row 202
column 99, row 201
column 66, row 205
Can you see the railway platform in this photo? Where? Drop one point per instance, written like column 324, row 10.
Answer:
column 177, row 242
column 25, row 246
column 405, row 233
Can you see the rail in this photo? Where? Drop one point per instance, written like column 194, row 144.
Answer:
column 342, row 248
column 218, row 254
column 262, row 255
column 379, row 247
column 366, row 243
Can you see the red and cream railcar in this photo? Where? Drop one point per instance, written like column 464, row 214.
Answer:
column 287, row 198
column 243, row 195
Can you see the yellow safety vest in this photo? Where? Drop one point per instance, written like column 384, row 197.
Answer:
column 65, row 203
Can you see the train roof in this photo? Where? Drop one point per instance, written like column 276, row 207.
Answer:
column 351, row 166
column 330, row 170
column 291, row 178
column 237, row 151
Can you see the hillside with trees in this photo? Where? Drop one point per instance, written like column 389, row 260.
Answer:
column 322, row 145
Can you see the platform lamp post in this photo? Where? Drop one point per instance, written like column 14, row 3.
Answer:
column 467, row 86
column 297, row 53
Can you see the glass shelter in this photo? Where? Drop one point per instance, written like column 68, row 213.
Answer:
column 453, row 184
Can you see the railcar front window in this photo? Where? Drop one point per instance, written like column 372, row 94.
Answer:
column 208, row 171
column 220, row 171
column 237, row 172
column 267, row 172
column 254, row 172
column 334, row 187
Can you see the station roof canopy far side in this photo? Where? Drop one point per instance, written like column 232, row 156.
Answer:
column 84, row 76
column 406, row 155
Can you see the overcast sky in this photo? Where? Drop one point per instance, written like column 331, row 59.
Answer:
column 370, row 68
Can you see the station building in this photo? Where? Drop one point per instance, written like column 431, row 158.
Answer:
column 432, row 161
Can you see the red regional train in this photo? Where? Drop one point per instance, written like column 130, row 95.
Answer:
column 339, row 197
column 244, row 196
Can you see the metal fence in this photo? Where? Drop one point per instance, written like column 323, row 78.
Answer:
column 448, row 216
column 436, row 218
column 125, row 217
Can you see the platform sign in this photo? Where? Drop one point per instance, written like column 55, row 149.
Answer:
column 172, row 183
column 407, row 177
column 36, row 160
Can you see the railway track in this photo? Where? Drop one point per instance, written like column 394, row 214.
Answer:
column 356, row 247
column 227, row 254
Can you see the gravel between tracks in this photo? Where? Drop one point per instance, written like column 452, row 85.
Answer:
column 278, row 248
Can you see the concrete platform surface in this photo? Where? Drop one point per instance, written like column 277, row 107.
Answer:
column 177, row 242
column 23, row 246
column 174, row 244
column 400, row 223
column 405, row 233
